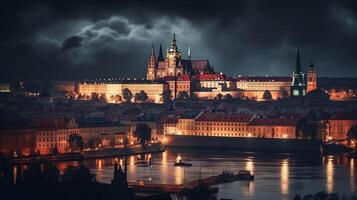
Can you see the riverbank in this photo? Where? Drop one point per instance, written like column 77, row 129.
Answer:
column 102, row 153
column 133, row 150
column 246, row 144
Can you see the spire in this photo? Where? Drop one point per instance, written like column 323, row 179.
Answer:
column 160, row 57
column 312, row 64
column 151, row 67
column 152, row 57
column 189, row 53
column 173, row 44
column 298, row 63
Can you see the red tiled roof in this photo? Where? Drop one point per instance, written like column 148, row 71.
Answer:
column 51, row 122
column 344, row 116
column 224, row 117
column 273, row 122
column 179, row 78
column 265, row 78
column 202, row 77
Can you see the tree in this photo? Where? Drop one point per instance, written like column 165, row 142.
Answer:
column 307, row 128
column 127, row 95
column 267, row 95
column 92, row 143
column 137, row 98
column 166, row 96
column 102, row 98
column 78, row 174
column 352, row 133
column 183, row 95
column 143, row 96
column 228, row 97
column 219, row 97
column 75, row 142
column 143, row 133
column 94, row 96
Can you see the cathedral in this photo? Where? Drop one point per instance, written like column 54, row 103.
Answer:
column 173, row 65
column 299, row 86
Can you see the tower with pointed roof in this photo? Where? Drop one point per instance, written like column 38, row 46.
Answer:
column 298, row 87
column 160, row 57
column 173, row 56
column 311, row 78
column 151, row 68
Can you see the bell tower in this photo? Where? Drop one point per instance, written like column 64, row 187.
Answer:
column 311, row 78
column 151, row 69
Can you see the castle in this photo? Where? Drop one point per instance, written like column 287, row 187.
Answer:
column 174, row 65
column 197, row 78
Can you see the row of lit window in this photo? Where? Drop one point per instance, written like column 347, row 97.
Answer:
column 51, row 139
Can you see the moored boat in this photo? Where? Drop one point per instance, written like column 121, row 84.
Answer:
column 245, row 175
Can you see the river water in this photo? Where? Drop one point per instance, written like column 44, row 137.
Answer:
column 277, row 176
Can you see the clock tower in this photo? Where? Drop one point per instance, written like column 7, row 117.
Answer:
column 298, row 86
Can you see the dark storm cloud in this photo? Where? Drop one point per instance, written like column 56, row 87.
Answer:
column 72, row 42
column 113, row 38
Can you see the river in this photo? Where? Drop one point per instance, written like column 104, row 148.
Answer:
column 277, row 176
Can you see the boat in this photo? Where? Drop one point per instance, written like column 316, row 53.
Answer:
column 142, row 162
column 245, row 175
column 181, row 163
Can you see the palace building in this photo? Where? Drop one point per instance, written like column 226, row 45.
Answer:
column 221, row 124
column 113, row 89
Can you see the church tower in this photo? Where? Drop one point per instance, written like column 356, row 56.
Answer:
column 151, row 69
column 173, row 56
column 298, row 88
column 311, row 78
column 160, row 57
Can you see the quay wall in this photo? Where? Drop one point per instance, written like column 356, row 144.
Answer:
column 245, row 144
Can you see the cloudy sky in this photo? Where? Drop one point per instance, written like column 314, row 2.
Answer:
column 89, row 39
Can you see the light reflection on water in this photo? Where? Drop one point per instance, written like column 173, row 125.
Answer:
column 276, row 176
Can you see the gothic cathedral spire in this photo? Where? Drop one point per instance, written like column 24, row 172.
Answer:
column 151, row 69
column 160, row 58
column 189, row 53
column 298, row 63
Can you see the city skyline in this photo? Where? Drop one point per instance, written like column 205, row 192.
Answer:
column 113, row 39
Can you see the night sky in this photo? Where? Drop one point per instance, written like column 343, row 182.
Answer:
column 88, row 39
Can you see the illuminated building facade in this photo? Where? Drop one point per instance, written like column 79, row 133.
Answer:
column 253, row 87
column 220, row 124
column 273, row 127
column 17, row 135
column 339, row 124
column 209, row 124
column 110, row 89
column 53, row 134
column 97, row 131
